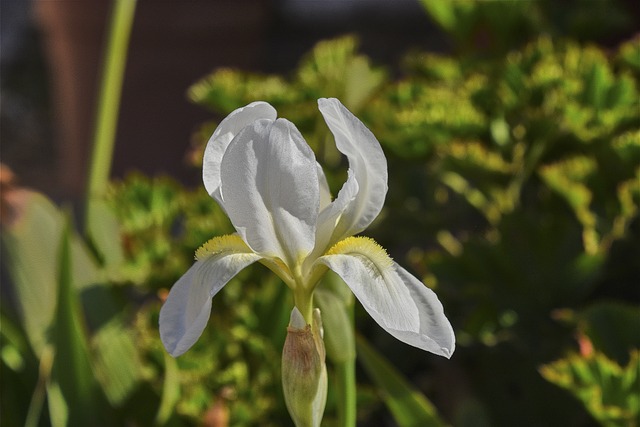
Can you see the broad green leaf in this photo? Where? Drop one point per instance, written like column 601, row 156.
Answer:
column 32, row 239
column 408, row 406
column 116, row 361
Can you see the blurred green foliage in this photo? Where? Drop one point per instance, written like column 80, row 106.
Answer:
column 496, row 27
column 514, row 192
column 512, row 183
column 609, row 392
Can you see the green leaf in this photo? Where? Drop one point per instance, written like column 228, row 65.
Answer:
column 13, row 345
column 336, row 303
column 443, row 12
column 116, row 361
column 361, row 80
column 629, row 54
column 338, row 329
column 597, row 83
column 170, row 390
column 31, row 239
column 407, row 405
column 74, row 394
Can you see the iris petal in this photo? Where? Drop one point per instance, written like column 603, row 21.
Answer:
column 367, row 163
column 269, row 183
column 435, row 334
column 224, row 133
column 186, row 311
column 325, row 193
column 395, row 299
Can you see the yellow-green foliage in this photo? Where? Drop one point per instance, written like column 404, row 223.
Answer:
column 551, row 109
column 610, row 392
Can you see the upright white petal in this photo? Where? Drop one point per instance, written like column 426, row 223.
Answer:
column 329, row 217
column 222, row 136
column 395, row 299
column 269, row 183
column 186, row 311
column 325, row 193
column 366, row 161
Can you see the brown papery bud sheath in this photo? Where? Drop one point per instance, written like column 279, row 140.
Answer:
column 304, row 373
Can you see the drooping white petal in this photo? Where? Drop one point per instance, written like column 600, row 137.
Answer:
column 222, row 136
column 379, row 290
column 395, row 299
column 366, row 161
column 186, row 311
column 269, row 183
column 436, row 333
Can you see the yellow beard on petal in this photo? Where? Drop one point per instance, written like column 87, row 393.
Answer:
column 229, row 243
column 366, row 248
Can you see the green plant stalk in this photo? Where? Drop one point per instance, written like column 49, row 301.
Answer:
column 113, row 67
column 346, row 390
column 346, row 375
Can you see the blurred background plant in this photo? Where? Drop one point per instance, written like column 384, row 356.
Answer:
column 514, row 167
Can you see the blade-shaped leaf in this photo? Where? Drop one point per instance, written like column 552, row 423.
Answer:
column 408, row 406
column 74, row 394
column 170, row 390
column 338, row 337
column 336, row 303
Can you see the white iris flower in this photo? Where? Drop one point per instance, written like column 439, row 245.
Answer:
column 265, row 176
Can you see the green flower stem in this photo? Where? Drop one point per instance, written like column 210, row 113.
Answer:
column 346, row 375
column 303, row 299
column 346, row 390
column 108, row 103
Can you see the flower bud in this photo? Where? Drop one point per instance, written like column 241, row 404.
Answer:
column 304, row 373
